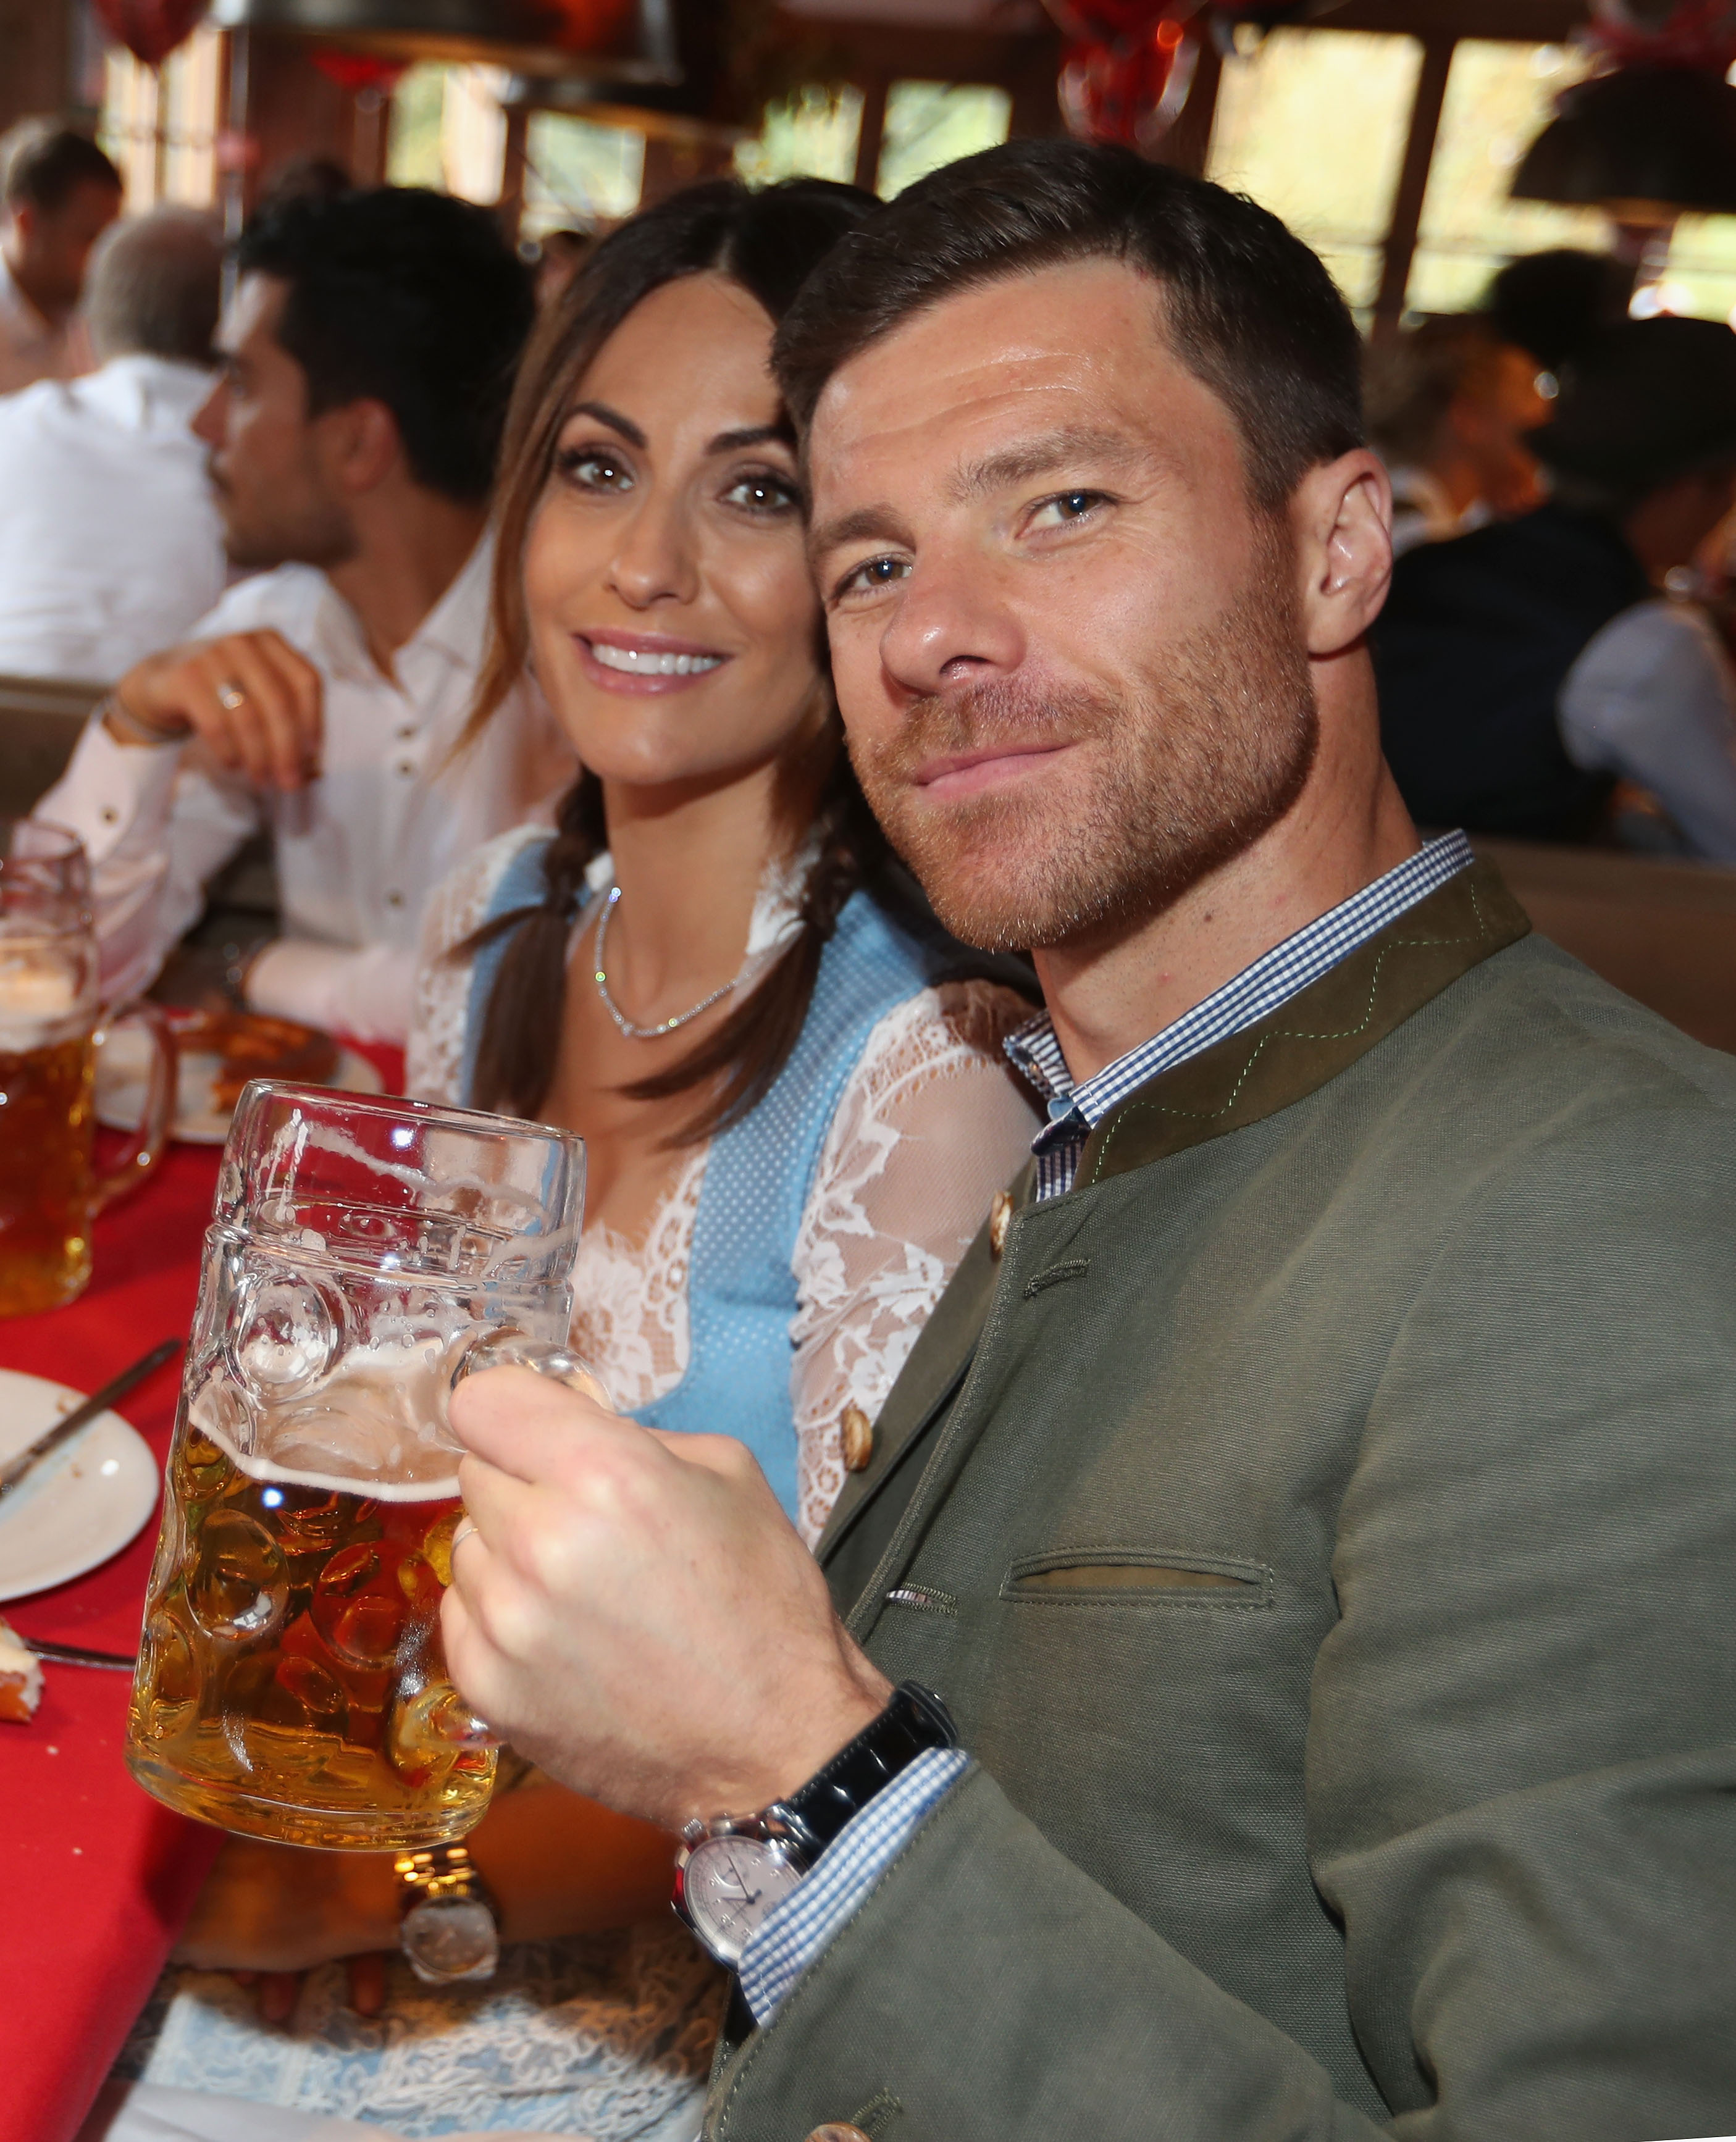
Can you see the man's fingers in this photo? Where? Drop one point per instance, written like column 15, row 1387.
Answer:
column 279, row 1991
column 531, row 1426
column 253, row 704
column 301, row 681
column 367, row 1983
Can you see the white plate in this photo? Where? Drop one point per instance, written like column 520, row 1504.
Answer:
column 82, row 1503
column 125, row 1063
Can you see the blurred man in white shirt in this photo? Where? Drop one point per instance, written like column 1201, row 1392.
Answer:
column 58, row 194
column 367, row 357
column 110, row 541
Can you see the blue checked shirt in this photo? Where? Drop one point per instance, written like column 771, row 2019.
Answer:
column 842, row 1876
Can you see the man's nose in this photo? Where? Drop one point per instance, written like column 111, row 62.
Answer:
column 950, row 627
column 210, row 420
column 654, row 561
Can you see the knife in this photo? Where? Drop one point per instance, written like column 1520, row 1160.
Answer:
column 75, row 1654
column 15, row 1468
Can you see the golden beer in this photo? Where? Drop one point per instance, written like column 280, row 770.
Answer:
column 291, row 1683
column 46, row 1130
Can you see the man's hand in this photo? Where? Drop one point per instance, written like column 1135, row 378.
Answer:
column 635, row 1612
column 254, row 703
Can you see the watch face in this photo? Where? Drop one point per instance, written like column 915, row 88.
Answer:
column 731, row 1886
column 455, row 1938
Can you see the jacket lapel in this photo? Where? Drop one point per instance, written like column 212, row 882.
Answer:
column 1303, row 1046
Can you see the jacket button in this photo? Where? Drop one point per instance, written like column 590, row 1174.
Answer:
column 838, row 2130
column 1000, row 1219
column 858, row 1431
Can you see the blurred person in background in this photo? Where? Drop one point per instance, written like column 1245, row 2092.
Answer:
column 109, row 535
column 560, row 255
column 1556, row 304
column 367, row 357
column 58, row 194
column 1450, row 404
column 1528, row 670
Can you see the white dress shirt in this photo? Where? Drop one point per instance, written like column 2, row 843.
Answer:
column 359, row 849
column 30, row 347
column 1653, row 698
column 111, row 545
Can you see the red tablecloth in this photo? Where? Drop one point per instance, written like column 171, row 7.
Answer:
column 97, row 1878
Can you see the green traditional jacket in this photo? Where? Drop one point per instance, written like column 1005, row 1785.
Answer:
column 1320, row 1521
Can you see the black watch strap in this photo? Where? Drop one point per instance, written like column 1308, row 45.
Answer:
column 915, row 1720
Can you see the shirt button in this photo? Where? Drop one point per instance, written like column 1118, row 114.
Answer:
column 1000, row 1219
column 406, row 766
column 394, row 899
column 110, row 814
column 406, row 734
column 856, row 1431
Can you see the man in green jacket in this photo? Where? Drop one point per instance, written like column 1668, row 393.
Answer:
column 1312, row 1500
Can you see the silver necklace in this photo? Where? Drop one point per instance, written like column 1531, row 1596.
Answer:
column 626, row 1025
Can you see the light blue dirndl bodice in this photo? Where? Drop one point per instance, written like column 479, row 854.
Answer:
column 741, row 1294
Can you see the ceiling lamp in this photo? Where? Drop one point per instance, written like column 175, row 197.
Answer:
column 1645, row 143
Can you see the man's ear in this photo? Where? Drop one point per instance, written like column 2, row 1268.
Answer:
column 1342, row 516
column 363, row 445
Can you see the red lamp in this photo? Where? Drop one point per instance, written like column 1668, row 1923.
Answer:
column 149, row 29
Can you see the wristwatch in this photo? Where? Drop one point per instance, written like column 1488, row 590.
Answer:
column 447, row 1925
column 733, row 1872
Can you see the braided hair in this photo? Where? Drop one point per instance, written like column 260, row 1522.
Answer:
column 767, row 242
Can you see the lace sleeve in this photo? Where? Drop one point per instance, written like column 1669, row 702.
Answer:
column 933, row 1121
column 434, row 1057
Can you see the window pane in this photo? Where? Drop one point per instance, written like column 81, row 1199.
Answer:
column 412, row 142
column 1700, row 280
column 1499, row 98
column 161, row 126
column 1287, row 115
column 812, row 134
column 578, row 173
column 931, row 123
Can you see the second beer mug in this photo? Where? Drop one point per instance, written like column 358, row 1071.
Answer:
column 365, row 1254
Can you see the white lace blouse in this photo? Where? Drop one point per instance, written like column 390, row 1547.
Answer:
column 930, row 1123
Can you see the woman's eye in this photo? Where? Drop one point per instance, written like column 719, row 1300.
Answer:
column 1067, row 505
column 593, row 471
column 762, row 494
column 871, row 574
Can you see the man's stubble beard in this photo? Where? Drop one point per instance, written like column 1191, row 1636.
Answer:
column 1196, row 765
column 316, row 532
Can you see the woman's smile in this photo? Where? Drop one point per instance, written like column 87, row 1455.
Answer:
column 644, row 662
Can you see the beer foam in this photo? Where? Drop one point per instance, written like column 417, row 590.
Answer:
column 42, row 1000
column 377, row 1415
column 331, row 1483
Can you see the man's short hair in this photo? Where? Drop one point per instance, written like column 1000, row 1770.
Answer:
column 408, row 297
column 1247, row 308
column 42, row 164
column 155, row 286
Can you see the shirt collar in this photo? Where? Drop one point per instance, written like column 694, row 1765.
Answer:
column 1258, row 990
column 146, row 392
column 453, row 628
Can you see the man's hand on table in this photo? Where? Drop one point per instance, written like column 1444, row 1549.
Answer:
column 256, row 704
column 634, row 1612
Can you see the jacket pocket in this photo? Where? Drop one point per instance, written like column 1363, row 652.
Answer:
column 1139, row 1576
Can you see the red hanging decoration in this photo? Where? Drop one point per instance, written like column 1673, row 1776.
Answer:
column 149, row 29
column 1126, row 69
column 357, row 72
column 589, row 26
column 1696, row 33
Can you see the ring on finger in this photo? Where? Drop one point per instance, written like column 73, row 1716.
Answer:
column 466, row 1526
column 229, row 695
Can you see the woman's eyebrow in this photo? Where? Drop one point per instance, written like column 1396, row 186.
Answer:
column 613, row 418
column 781, row 433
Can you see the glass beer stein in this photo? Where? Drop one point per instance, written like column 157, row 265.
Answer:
column 365, row 1257
column 51, row 1028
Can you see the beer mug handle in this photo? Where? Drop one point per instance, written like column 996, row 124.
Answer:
column 513, row 1350
column 455, row 1722
column 146, row 1148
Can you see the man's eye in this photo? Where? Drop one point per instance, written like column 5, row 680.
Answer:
column 872, row 573
column 591, row 470
column 1067, row 505
column 766, row 493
